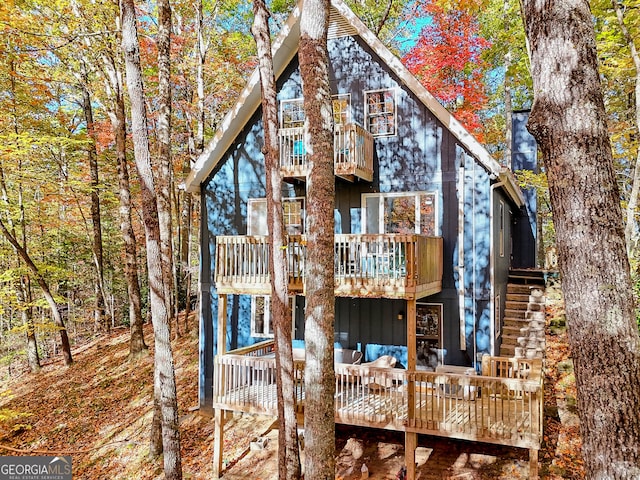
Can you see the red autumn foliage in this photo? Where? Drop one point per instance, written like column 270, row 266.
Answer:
column 447, row 58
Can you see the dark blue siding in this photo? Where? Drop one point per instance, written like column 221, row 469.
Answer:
column 423, row 156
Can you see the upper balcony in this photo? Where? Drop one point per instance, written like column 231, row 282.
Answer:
column 352, row 153
column 369, row 265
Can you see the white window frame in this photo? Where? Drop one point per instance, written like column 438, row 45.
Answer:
column 376, row 112
column 344, row 115
column 267, row 330
column 288, row 215
column 292, row 114
column 381, row 204
column 260, row 204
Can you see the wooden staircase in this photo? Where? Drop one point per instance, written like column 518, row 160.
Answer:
column 524, row 315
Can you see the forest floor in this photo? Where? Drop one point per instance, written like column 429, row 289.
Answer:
column 98, row 410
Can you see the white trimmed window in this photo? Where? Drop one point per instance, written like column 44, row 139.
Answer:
column 292, row 113
column 261, row 316
column 341, row 109
column 406, row 212
column 261, row 326
column 292, row 211
column 380, row 112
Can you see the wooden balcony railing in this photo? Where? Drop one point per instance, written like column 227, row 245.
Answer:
column 389, row 265
column 369, row 265
column 505, row 409
column 242, row 264
column 353, row 153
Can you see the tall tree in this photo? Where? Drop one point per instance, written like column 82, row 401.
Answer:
column 23, row 289
column 569, row 122
column 163, row 159
column 288, row 456
column 44, row 286
column 159, row 312
column 100, row 319
column 319, row 374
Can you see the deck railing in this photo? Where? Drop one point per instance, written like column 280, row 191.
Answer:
column 388, row 262
column 391, row 265
column 491, row 409
column 242, row 263
column 353, row 152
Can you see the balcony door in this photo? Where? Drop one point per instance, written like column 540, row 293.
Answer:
column 407, row 213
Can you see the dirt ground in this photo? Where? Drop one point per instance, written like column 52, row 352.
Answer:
column 383, row 454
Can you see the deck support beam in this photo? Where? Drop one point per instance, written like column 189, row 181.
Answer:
column 219, row 415
column 411, row 438
column 218, row 442
column 410, row 445
column 533, row 464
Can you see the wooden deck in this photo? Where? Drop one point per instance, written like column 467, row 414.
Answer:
column 503, row 408
column 368, row 265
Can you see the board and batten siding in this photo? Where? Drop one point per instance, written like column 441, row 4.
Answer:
column 422, row 156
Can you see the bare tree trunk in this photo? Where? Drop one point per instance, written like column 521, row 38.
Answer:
column 137, row 344
column 184, row 271
column 101, row 321
column 23, row 290
column 569, row 122
column 288, row 454
column 111, row 70
column 163, row 161
column 197, row 148
column 44, row 286
column 320, row 308
column 159, row 313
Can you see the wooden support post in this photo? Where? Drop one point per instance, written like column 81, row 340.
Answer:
column 218, row 442
column 411, row 438
column 533, row 464
column 222, row 325
column 218, row 385
column 411, row 360
column 410, row 445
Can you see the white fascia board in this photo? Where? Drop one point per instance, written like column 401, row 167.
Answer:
column 511, row 187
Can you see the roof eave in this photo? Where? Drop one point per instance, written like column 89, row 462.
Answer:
column 510, row 186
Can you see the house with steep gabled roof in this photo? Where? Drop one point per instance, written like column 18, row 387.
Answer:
column 425, row 236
